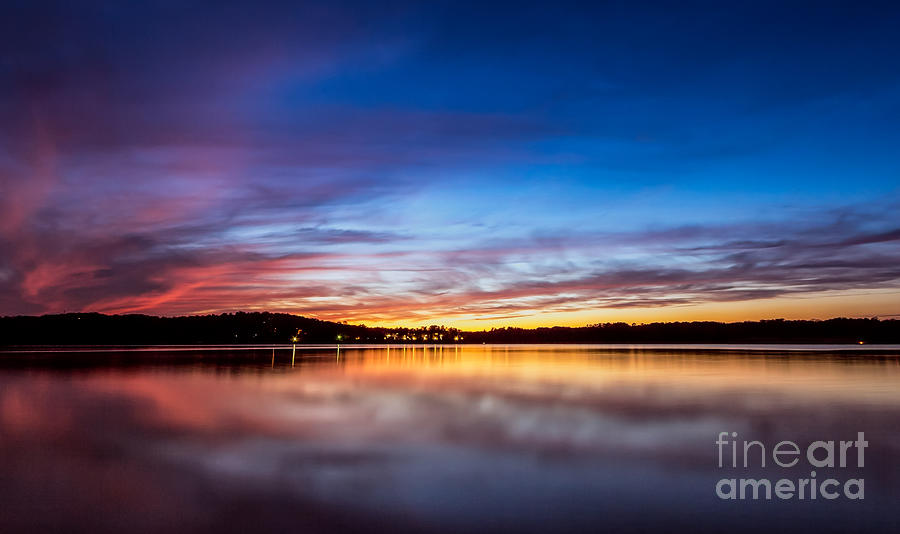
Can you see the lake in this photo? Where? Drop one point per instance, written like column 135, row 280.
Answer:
column 563, row 438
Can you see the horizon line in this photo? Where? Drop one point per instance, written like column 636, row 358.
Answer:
column 878, row 317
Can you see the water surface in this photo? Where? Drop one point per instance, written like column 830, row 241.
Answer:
column 432, row 439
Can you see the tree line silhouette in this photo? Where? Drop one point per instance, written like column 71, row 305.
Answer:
column 278, row 328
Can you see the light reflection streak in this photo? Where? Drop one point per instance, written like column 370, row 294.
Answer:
column 436, row 433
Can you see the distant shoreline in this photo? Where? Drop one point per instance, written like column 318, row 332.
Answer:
column 615, row 347
column 266, row 329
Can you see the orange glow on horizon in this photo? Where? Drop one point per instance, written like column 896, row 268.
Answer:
column 819, row 306
column 861, row 304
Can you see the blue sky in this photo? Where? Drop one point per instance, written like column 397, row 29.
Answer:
column 465, row 163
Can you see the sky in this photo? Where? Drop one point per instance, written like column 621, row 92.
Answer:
column 467, row 164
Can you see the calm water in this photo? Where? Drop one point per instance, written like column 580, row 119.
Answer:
column 452, row 439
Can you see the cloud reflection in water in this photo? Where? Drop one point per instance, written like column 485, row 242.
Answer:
column 432, row 439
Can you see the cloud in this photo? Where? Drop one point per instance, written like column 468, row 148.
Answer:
column 269, row 262
column 344, row 162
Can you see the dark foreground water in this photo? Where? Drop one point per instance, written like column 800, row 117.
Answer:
column 437, row 439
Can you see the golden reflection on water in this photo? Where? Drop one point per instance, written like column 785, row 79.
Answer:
column 826, row 376
column 449, row 435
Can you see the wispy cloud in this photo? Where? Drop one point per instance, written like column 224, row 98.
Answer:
column 378, row 275
column 411, row 164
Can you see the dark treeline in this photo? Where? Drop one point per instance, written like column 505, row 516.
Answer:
column 226, row 328
column 268, row 328
column 836, row 331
